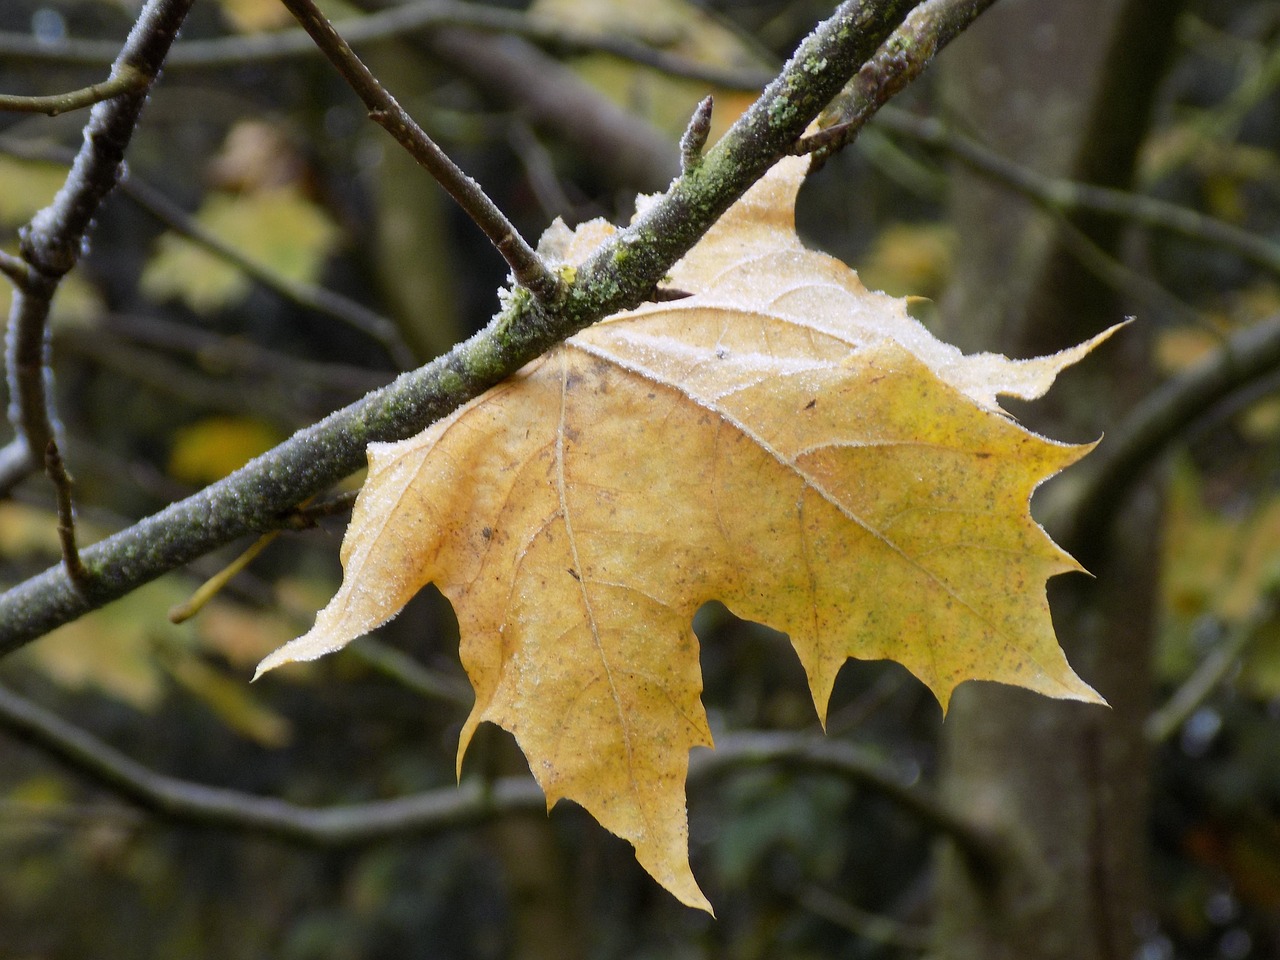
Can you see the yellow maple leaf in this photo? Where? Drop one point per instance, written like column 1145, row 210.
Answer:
column 784, row 441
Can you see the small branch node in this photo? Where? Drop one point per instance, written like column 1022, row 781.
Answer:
column 308, row 516
column 829, row 139
column 529, row 270
column 16, row 269
column 695, row 135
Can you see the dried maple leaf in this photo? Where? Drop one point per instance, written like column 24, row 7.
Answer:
column 784, row 441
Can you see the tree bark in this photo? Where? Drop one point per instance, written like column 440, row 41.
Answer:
column 1066, row 88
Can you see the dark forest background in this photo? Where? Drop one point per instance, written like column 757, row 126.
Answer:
column 192, row 337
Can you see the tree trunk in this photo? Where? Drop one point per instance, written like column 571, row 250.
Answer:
column 1065, row 88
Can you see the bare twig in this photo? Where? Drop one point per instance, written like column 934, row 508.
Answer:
column 539, row 170
column 52, row 242
column 553, row 99
column 57, row 471
column 15, row 268
column 67, row 815
column 306, row 295
column 399, row 21
column 184, row 801
column 527, row 267
column 902, row 58
column 1118, row 275
column 411, row 674
column 862, row 923
column 1080, row 513
column 809, row 752
column 309, row 515
column 124, row 80
column 252, row 499
column 1067, row 196
column 1169, row 718
column 184, row 611
column 469, row 803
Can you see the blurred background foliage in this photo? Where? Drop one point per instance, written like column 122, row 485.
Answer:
column 193, row 338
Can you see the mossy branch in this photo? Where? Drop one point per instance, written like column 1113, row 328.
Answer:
column 254, row 499
column 472, row 802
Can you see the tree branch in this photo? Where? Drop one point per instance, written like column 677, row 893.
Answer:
column 185, row 801
column 1080, row 513
column 553, row 98
column 57, row 471
column 902, row 58
column 123, row 80
column 411, row 674
column 15, row 268
column 468, row 803
column 1068, row 196
column 527, row 268
column 385, row 25
column 309, row 296
column 252, row 499
column 1164, row 722
column 52, row 242
column 985, row 850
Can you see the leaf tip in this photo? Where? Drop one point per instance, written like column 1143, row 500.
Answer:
column 309, row 646
column 689, row 893
column 1081, row 691
column 270, row 662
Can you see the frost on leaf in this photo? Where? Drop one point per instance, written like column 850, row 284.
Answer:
column 784, row 441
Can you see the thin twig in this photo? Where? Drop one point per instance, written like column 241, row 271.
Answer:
column 1080, row 513
column 527, row 268
column 57, row 471
column 902, row 58
column 553, row 99
column 310, row 296
column 1058, row 197
column 185, row 801
column 392, row 24
column 1118, row 275
column 448, row 807
column 862, row 923
column 125, row 80
column 1212, row 671
column 986, row 851
column 249, row 358
column 308, row 515
column 64, row 815
column 251, row 500
column 52, row 242
column 15, row 268
column 184, row 611
column 411, row 674
column 539, row 170
column 1068, row 196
